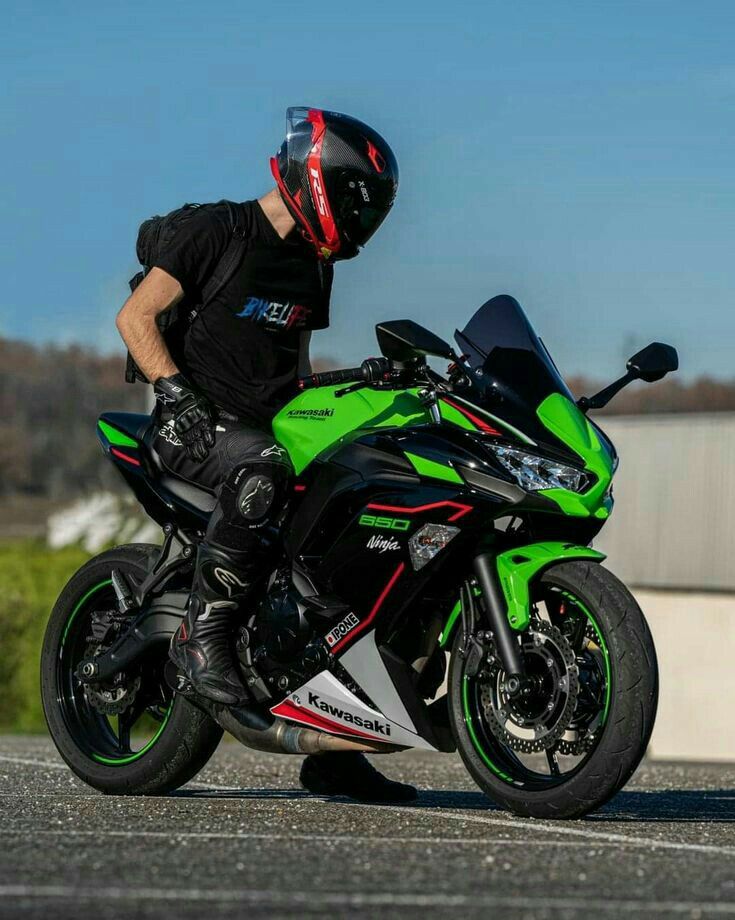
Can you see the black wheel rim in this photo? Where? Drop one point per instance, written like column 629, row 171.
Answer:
column 530, row 772
column 139, row 727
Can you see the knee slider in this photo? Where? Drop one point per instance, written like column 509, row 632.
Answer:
column 256, row 492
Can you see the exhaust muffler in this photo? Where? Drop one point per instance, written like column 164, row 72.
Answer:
column 280, row 737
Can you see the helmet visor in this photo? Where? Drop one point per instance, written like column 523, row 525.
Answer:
column 297, row 120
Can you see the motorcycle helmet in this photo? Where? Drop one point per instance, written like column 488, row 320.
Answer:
column 337, row 177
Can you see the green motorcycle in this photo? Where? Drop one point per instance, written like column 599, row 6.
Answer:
column 436, row 588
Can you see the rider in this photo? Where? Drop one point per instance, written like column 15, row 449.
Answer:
column 336, row 179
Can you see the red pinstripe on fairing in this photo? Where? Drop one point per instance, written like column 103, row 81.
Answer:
column 398, row 509
column 373, row 612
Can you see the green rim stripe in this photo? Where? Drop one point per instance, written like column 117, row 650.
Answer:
column 608, row 686
column 603, row 646
column 111, row 761
column 121, row 761
column 78, row 607
column 116, row 437
column 473, row 736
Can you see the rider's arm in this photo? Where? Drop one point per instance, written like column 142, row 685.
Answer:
column 304, row 366
column 136, row 323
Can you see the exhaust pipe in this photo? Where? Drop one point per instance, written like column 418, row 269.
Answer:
column 282, row 738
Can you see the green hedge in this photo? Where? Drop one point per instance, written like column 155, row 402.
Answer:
column 31, row 578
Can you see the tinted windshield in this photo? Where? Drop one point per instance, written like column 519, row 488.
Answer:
column 516, row 372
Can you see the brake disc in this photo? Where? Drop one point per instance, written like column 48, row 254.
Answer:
column 538, row 720
column 110, row 699
column 580, row 737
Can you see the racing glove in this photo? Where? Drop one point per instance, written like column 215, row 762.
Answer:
column 191, row 414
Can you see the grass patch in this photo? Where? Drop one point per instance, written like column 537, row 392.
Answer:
column 31, row 578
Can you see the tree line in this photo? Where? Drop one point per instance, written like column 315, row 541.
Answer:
column 50, row 398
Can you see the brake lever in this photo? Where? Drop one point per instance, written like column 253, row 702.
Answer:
column 350, row 389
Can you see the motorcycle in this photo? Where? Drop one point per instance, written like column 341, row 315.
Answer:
column 436, row 586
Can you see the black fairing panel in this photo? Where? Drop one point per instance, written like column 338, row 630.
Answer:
column 344, row 539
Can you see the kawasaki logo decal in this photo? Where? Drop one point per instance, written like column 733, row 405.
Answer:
column 384, row 523
column 310, row 413
column 341, row 629
column 372, row 725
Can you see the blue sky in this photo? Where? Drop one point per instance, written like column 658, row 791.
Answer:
column 577, row 155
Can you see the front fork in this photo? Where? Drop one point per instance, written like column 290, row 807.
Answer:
column 504, row 581
column 497, row 613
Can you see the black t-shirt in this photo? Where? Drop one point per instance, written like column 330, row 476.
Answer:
column 242, row 349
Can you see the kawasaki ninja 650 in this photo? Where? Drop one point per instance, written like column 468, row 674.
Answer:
column 434, row 521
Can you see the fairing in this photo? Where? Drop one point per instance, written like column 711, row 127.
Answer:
column 317, row 419
column 515, row 380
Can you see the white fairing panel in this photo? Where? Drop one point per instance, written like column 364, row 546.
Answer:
column 365, row 666
column 325, row 703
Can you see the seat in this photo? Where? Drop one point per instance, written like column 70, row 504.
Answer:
column 142, row 429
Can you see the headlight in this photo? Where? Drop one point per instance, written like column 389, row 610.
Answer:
column 533, row 473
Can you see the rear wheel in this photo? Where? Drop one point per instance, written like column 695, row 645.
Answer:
column 583, row 724
column 133, row 735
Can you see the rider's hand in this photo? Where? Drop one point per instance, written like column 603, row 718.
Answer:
column 192, row 414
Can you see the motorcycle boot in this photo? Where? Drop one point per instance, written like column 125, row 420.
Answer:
column 202, row 647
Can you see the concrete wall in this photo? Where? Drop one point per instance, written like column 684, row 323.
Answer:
column 673, row 530
column 674, row 520
column 694, row 635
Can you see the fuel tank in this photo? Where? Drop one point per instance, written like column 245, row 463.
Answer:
column 318, row 419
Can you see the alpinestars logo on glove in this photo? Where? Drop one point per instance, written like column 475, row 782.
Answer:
column 372, row 725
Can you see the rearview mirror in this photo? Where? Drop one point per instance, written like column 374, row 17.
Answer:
column 653, row 362
column 404, row 340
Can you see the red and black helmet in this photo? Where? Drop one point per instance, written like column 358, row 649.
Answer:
column 337, row 177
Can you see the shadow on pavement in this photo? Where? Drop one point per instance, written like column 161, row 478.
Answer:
column 674, row 806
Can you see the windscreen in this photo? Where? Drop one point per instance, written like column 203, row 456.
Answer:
column 513, row 371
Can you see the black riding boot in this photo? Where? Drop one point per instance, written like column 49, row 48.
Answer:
column 202, row 646
column 351, row 774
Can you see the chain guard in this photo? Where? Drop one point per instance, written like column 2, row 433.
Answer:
column 528, row 735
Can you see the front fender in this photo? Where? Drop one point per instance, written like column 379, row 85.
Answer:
column 516, row 569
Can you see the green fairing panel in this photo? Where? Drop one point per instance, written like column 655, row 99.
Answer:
column 455, row 417
column 316, row 420
column 116, row 437
column 517, row 568
column 565, row 421
column 433, row 470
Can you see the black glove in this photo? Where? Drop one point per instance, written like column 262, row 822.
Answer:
column 192, row 414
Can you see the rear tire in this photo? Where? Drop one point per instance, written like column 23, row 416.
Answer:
column 630, row 715
column 187, row 737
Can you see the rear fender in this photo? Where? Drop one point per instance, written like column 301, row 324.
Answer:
column 517, row 569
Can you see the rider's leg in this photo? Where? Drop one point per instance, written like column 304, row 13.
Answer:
column 235, row 556
column 352, row 774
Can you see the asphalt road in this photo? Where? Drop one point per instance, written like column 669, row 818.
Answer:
column 244, row 840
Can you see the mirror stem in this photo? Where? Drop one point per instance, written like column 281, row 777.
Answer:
column 601, row 399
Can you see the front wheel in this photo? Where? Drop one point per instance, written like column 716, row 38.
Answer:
column 576, row 735
column 133, row 735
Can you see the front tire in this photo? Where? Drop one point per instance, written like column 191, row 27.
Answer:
column 179, row 739
column 627, row 693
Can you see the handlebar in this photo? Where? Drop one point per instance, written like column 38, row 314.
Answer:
column 370, row 371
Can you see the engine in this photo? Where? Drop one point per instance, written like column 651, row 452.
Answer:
column 283, row 646
column 281, row 624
